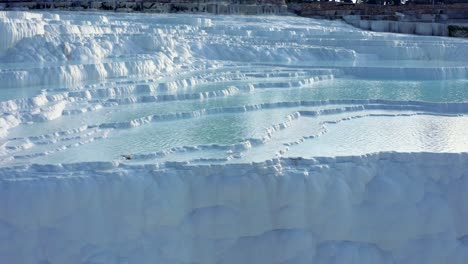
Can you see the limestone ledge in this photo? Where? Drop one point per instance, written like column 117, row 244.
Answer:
column 417, row 28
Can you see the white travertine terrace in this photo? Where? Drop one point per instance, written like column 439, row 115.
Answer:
column 143, row 138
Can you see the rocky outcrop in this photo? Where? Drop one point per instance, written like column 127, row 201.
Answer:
column 405, row 27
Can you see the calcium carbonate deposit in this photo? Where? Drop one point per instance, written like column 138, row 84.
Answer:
column 149, row 138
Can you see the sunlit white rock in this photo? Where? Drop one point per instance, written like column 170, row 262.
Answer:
column 160, row 138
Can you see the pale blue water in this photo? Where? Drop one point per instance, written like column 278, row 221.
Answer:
column 255, row 87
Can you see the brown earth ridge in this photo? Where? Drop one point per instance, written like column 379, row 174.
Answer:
column 245, row 7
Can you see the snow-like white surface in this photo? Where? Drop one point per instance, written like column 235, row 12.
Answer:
column 380, row 208
column 137, row 138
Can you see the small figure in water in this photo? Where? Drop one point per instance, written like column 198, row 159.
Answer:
column 127, row 157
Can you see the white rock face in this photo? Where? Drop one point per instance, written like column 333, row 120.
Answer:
column 425, row 27
column 15, row 26
column 150, row 138
column 380, row 208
